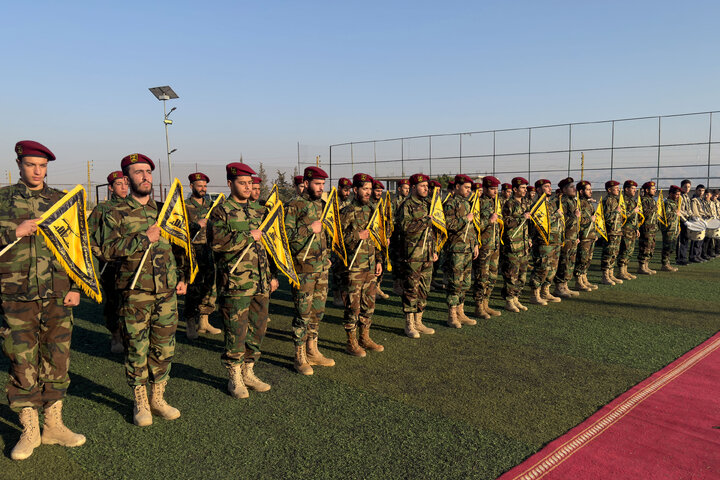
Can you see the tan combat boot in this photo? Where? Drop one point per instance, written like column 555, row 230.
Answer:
column 510, row 305
column 250, row 380
column 632, row 277
column 535, row 297
column 205, row 327
column 452, row 320
column 301, row 364
column 562, row 291
column 489, row 310
column 410, row 326
column 519, row 305
column 643, row 269
column 571, row 291
column 580, row 284
column 623, row 273
column 464, row 319
column 141, row 410
column 381, row 294
column 547, row 296
column 30, row 438
column 54, row 430
column 614, row 278
column 587, row 283
column 191, row 329
column 607, row 278
column 366, row 342
column 158, row 405
column 313, row 355
column 352, row 347
column 236, row 386
column 480, row 311
column 420, row 327
column 668, row 268
column 652, row 272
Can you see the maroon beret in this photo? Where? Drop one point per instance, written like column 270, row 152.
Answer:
column 583, row 184
column 490, row 181
column 648, row 185
column 461, row 179
column 403, row 181
column 344, row 182
column 238, row 170
column 378, row 184
column 136, row 158
column 28, row 148
column 517, row 181
column 194, row 177
column 114, row 176
column 360, row 178
column 611, row 183
column 419, row 178
column 530, row 188
column 256, row 180
column 507, row 186
column 314, row 173
column 451, row 184
column 476, row 185
column 629, row 183
column 298, row 179
column 541, row 182
column 565, row 182
column 435, row 184
column 674, row 188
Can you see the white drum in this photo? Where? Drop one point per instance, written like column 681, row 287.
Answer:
column 713, row 228
column 696, row 230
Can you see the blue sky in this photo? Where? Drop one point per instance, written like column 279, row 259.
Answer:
column 258, row 77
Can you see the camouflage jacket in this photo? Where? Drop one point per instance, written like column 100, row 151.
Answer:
column 572, row 224
column 94, row 222
column 613, row 218
column 649, row 209
column 197, row 211
column 587, row 210
column 300, row 213
column 123, row 239
column 489, row 232
column 556, row 222
column 344, row 203
column 462, row 237
column 412, row 221
column 353, row 219
column 397, row 201
column 633, row 219
column 516, row 238
column 671, row 214
column 29, row 270
column 229, row 235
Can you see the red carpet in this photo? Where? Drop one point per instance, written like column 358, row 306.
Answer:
column 662, row 428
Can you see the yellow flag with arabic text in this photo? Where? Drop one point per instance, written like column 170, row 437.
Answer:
column 331, row 223
column 276, row 243
column 438, row 218
column 600, row 220
column 174, row 224
column 273, row 198
column 540, row 216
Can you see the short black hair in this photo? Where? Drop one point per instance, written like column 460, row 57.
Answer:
column 685, row 182
column 700, row 185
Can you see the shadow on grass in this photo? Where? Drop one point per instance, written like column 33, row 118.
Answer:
column 83, row 387
column 193, row 374
column 9, row 428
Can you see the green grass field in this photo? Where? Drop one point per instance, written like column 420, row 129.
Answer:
column 468, row 403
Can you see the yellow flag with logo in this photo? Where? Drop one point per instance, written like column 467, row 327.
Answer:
column 217, row 202
column 498, row 212
column 661, row 214
column 331, row 223
column 475, row 210
column 438, row 218
column 388, row 214
column 540, row 216
column 276, row 243
column 65, row 229
column 623, row 206
column 174, row 224
column 376, row 227
column 600, row 220
column 273, row 198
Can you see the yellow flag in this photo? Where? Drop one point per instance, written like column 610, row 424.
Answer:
column 377, row 228
column 272, row 198
column 174, row 225
column 217, row 202
column 475, row 210
column 498, row 211
column 388, row 213
column 623, row 206
column 331, row 223
column 540, row 216
column 661, row 214
column 447, row 197
column 600, row 220
column 438, row 218
column 276, row 243
column 65, row 229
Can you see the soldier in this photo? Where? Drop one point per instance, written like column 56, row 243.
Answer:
column 246, row 280
column 516, row 245
column 460, row 249
column 684, row 213
column 716, row 214
column 403, row 190
column 531, row 195
column 671, row 230
column 486, row 264
column 299, row 183
column 568, row 251
column 201, row 294
column 117, row 190
column 587, row 235
column 705, row 210
column 255, row 191
column 545, row 250
column 416, row 245
column 361, row 275
column 434, row 283
column 148, row 312
column 613, row 223
column 375, row 197
column 302, row 223
column 697, row 211
column 37, row 297
column 344, row 190
column 630, row 231
column 506, row 193
column 648, row 228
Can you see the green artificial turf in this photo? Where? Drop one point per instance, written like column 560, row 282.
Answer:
column 468, row 403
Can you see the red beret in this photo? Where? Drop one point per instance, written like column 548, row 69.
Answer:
column 435, row 184
column 490, row 181
column 360, row 178
column 530, row 188
column 565, row 182
column 541, row 182
column 419, row 178
column 461, row 179
column 583, row 184
column 611, row 183
column 451, row 184
column 517, row 181
column 193, row 177
column 403, row 181
column 344, row 182
column 28, row 148
column 648, row 185
column 136, row 158
column 629, row 183
column 378, row 184
column 476, row 185
column 114, row 176
column 507, row 186
column 256, row 180
column 674, row 188
column 314, row 173
column 298, row 179
column 238, row 170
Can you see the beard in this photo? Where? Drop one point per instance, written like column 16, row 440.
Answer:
column 143, row 189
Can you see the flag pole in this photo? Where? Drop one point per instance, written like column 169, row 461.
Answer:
column 242, row 255
column 137, row 274
column 424, row 239
column 312, row 239
column 466, row 230
column 357, row 250
column 10, row 246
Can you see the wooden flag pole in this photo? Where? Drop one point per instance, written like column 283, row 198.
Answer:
column 357, row 250
column 424, row 239
column 466, row 230
column 312, row 239
column 137, row 274
column 9, row 246
column 242, row 255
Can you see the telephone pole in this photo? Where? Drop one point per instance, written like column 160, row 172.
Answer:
column 89, row 168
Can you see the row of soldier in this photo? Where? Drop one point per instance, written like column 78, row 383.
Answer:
column 143, row 273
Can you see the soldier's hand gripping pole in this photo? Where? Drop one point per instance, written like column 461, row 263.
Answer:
column 137, row 274
column 356, row 254
column 242, row 255
column 312, row 239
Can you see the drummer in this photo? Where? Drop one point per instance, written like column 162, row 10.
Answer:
column 716, row 214
column 684, row 242
column 697, row 212
column 708, row 248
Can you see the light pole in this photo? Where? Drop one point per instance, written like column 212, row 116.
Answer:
column 164, row 94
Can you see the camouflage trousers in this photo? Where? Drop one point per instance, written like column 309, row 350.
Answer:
column 458, row 277
column 627, row 247
column 336, row 273
column 514, row 270
column 646, row 246
column 669, row 244
column 545, row 263
column 610, row 252
column 360, row 299
column 585, row 250
column 111, row 298
column 244, row 323
column 202, row 293
column 36, row 339
column 309, row 302
column 566, row 263
column 485, row 273
column 149, row 322
column 416, row 285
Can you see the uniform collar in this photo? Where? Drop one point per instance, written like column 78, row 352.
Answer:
column 25, row 191
column 135, row 204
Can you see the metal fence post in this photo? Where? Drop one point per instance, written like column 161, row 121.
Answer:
column 529, row 153
column 569, row 147
column 612, row 149
column 658, row 151
column 461, row 153
column 709, row 147
column 493, row 169
column 430, row 153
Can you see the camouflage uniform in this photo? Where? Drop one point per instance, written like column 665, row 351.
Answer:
column 461, row 242
column 310, row 298
column 35, row 326
column 648, row 229
column 336, row 269
column 485, row 266
column 671, row 231
column 546, row 255
column 613, row 223
column 629, row 231
column 516, row 247
column 201, row 294
column 568, row 253
column 412, row 221
column 148, row 313
column 587, row 236
column 244, row 293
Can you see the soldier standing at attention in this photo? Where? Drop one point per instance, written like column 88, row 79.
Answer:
column 587, row 236
column 201, row 294
column 630, row 231
column 545, row 251
column 299, row 185
column 506, row 193
column 361, row 276
column 434, row 282
column 461, row 248
column 516, row 245
column 37, row 296
column 403, row 190
column 245, row 279
column 255, row 192
column 670, row 231
column 148, row 312
column 377, row 191
column 344, row 190
column 648, row 229
column 531, row 195
column 613, row 223
column 568, row 252
column 302, row 223
column 684, row 247
column 117, row 190
column 487, row 262
column 416, row 245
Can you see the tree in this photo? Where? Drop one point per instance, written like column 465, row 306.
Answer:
column 285, row 190
column 264, row 190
